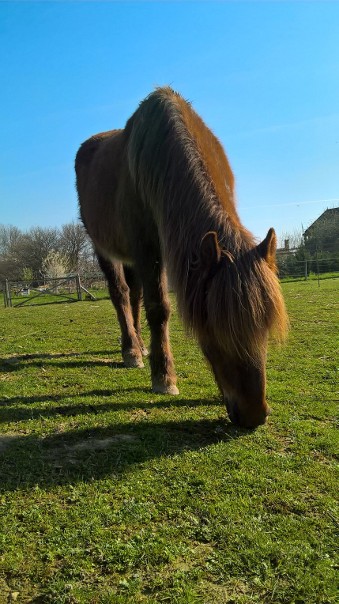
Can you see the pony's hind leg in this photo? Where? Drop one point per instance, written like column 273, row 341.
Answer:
column 120, row 296
column 158, row 311
column 135, row 295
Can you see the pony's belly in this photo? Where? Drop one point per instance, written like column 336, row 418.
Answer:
column 114, row 253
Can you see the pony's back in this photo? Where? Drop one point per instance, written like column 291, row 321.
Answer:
column 105, row 193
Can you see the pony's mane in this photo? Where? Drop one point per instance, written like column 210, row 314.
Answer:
column 242, row 299
column 180, row 170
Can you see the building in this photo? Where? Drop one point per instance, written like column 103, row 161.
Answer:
column 328, row 218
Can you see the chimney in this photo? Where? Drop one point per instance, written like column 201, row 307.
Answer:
column 287, row 245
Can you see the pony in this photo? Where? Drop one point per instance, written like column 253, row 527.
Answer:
column 157, row 199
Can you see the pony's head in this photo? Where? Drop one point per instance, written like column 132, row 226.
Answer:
column 242, row 304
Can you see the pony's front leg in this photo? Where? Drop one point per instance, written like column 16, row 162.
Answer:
column 120, row 297
column 158, row 312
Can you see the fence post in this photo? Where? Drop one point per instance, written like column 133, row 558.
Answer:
column 306, row 270
column 8, row 301
column 317, row 261
column 78, row 286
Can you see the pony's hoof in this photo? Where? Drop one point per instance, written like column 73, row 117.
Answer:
column 173, row 390
column 165, row 389
column 131, row 361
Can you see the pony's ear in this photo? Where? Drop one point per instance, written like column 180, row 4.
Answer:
column 267, row 249
column 209, row 250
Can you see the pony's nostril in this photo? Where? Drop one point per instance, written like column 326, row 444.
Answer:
column 250, row 421
column 232, row 410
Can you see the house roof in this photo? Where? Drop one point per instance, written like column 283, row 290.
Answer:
column 328, row 214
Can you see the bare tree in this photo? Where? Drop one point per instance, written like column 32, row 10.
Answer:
column 9, row 237
column 10, row 241
column 36, row 244
column 73, row 245
column 27, row 251
column 290, row 240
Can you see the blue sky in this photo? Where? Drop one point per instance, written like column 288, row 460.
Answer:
column 263, row 75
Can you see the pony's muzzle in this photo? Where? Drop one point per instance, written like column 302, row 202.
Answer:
column 246, row 420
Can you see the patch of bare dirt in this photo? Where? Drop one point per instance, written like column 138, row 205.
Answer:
column 65, row 453
column 99, row 443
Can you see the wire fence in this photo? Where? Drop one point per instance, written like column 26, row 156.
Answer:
column 317, row 267
column 94, row 286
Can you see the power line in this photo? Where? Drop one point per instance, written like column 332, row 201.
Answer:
column 290, row 203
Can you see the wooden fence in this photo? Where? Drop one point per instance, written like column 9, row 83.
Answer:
column 20, row 293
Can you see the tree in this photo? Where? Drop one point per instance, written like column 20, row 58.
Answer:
column 74, row 245
column 9, row 237
column 27, row 275
column 26, row 252
column 36, row 244
column 294, row 239
column 10, row 242
column 54, row 265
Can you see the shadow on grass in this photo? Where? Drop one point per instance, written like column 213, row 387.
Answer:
column 18, row 303
column 18, row 362
column 80, row 454
column 83, row 455
column 10, row 414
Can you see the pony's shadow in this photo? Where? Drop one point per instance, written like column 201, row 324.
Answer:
column 63, row 360
column 93, row 454
column 81, row 455
column 10, row 412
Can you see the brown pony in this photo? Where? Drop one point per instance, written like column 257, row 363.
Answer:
column 158, row 197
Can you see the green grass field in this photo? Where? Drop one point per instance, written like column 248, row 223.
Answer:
column 112, row 494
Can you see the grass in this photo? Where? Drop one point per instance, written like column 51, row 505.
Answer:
column 113, row 494
column 36, row 298
column 311, row 276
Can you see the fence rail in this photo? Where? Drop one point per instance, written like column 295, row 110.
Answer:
column 20, row 293
column 320, row 268
column 73, row 287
